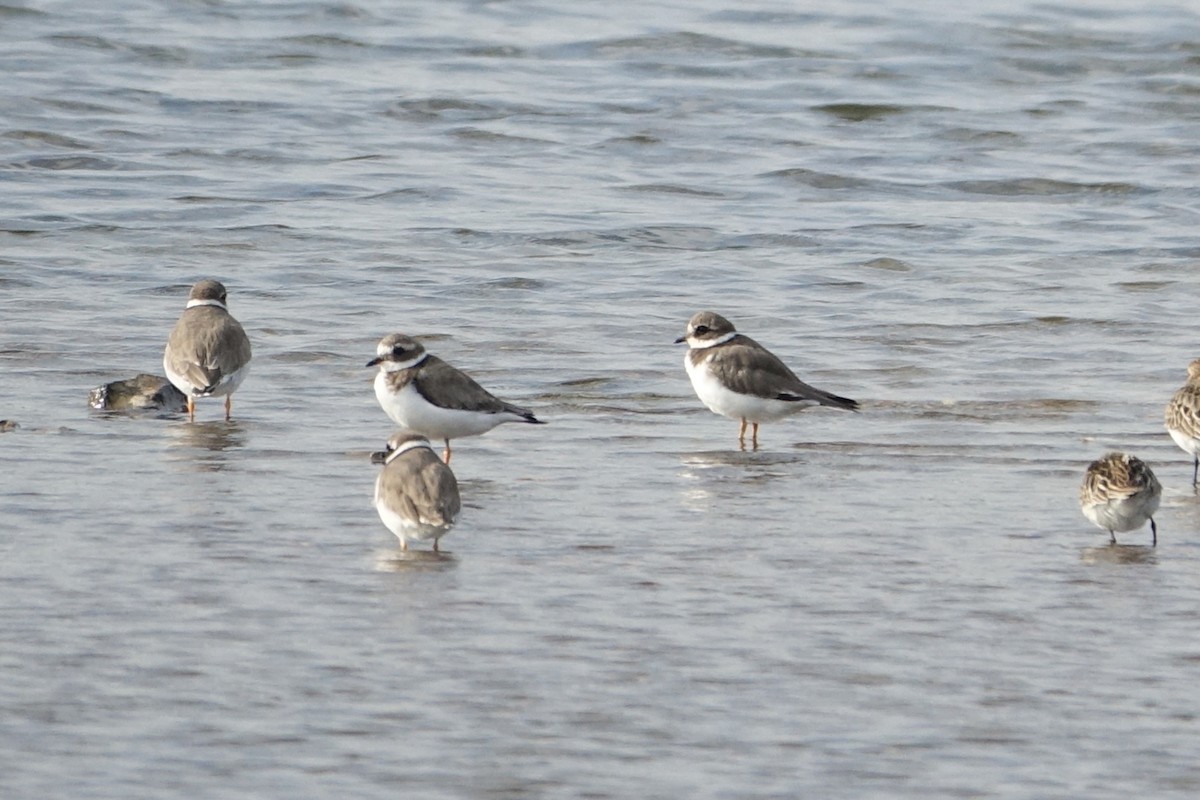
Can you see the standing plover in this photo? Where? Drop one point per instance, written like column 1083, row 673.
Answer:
column 1183, row 417
column 1119, row 494
column 425, row 394
column 737, row 377
column 208, row 353
column 416, row 495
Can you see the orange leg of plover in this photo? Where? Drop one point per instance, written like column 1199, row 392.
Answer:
column 755, row 436
column 191, row 409
column 742, row 435
column 446, row 453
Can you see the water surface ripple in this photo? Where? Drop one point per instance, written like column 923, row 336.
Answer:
column 979, row 221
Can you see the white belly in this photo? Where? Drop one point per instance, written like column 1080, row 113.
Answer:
column 1122, row 515
column 738, row 406
column 227, row 385
column 410, row 410
column 1190, row 444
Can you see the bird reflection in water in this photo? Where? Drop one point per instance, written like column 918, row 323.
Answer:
column 718, row 475
column 738, row 458
column 1119, row 554
column 414, row 560
column 208, row 446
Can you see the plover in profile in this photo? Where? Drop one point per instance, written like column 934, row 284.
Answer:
column 424, row 394
column 416, row 495
column 1183, row 417
column 1119, row 494
column 737, row 377
column 208, row 353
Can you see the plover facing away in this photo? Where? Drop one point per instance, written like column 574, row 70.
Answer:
column 1120, row 494
column 737, row 377
column 208, row 352
column 424, row 394
column 416, row 494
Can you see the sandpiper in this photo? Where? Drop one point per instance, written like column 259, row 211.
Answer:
column 416, row 494
column 1119, row 494
column 1183, row 417
column 208, row 353
column 422, row 393
column 737, row 377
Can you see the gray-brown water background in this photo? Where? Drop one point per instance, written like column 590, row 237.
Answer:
column 979, row 221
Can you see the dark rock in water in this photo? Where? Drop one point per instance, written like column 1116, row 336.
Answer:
column 145, row 392
column 7, row 425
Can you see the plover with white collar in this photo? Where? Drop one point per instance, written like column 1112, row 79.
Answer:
column 208, row 352
column 416, row 494
column 423, row 393
column 737, row 377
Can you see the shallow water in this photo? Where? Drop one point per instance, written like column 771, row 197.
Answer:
column 979, row 222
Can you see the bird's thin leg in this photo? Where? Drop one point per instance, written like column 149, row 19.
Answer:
column 755, row 437
column 435, row 547
column 228, row 406
column 1112, row 538
column 404, row 545
column 742, row 435
column 1153, row 533
column 191, row 409
column 1195, row 471
column 446, row 453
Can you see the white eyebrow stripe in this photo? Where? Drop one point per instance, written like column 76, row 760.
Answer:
column 722, row 339
column 396, row 366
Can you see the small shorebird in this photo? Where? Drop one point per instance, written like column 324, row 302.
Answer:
column 422, row 393
column 739, row 378
column 1119, row 494
column 416, row 495
column 208, row 353
column 1183, row 417
column 139, row 392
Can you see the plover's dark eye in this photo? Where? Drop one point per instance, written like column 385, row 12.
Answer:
column 701, row 329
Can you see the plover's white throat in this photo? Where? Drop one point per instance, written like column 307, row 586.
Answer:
column 737, row 377
column 1119, row 494
column 425, row 394
column 1183, row 417
column 416, row 494
column 208, row 353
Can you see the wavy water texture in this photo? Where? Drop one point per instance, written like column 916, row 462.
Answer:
column 977, row 220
